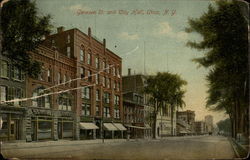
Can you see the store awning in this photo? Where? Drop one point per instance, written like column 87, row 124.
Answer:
column 183, row 132
column 147, row 126
column 109, row 127
column 119, row 126
column 88, row 126
column 137, row 127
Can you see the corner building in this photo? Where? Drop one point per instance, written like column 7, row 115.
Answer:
column 98, row 106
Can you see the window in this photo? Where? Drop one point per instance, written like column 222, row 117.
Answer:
column 118, row 72
column 97, row 112
column 118, row 86
column 81, row 55
column 65, row 101
column 18, row 94
column 68, row 38
column 108, row 82
column 82, row 72
column 89, row 58
column 59, row 78
column 116, row 113
column 97, row 95
column 114, row 85
column 85, row 109
column 49, row 75
column 97, row 77
column 104, row 66
column 106, row 97
column 64, row 78
column 108, row 68
column 44, row 102
column 86, row 93
column 106, row 112
column 68, row 52
column 97, row 65
column 89, row 76
column 104, row 81
column 3, row 93
column 117, row 100
column 17, row 73
column 4, row 69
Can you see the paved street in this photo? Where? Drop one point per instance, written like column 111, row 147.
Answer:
column 192, row 147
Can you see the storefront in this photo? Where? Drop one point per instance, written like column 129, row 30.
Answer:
column 109, row 130
column 120, row 132
column 88, row 130
column 12, row 124
column 136, row 131
column 65, row 128
column 42, row 128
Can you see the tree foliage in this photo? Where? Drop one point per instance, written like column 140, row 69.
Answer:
column 23, row 30
column 166, row 90
column 224, row 32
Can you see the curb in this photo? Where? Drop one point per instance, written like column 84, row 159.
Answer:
column 239, row 150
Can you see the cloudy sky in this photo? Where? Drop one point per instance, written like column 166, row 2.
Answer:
column 132, row 28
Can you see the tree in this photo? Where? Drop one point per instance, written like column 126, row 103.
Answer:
column 224, row 30
column 225, row 126
column 23, row 30
column 166, row 91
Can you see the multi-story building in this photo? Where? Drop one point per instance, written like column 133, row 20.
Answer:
column 209, row 123
column 52, row 116
column 99, row 97
column 134, row 114
column 200, row 127
column 12, row 86
column 187, row 117
column 135, row 99
column 164, row 125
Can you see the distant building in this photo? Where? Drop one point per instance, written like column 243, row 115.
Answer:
column 209, row 123
column 200, row 127
column 187, row 118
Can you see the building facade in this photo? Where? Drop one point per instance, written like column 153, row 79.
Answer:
column 200, row 127
column 99, row 100
column 187, row 117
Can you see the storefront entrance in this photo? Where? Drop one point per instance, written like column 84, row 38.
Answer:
column 10, row 127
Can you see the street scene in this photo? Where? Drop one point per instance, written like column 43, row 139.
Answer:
column 90, row 79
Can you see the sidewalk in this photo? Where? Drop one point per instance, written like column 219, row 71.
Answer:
column 22, row 145
column 240, row 150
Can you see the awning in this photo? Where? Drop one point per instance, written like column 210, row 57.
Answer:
column 109, row 127
column 119, row 126
column 88, row 126
column 147, row 126
column 183, row 132
column 137, row 127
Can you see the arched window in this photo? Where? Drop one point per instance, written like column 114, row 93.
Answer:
column 65, row 101
column 44, row 101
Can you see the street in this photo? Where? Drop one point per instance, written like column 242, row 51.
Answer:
column 190, row 147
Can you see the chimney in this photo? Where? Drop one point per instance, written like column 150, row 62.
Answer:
column 104, row 42
column 60, row 29
column 89, row 32
column 129, row 72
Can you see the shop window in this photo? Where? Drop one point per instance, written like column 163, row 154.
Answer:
column 4, row 69
column 44, row 129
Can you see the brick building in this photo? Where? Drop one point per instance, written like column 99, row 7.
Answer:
column 98, row 106
column 187, row 117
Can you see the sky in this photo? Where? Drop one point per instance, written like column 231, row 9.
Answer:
column 150, row 32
